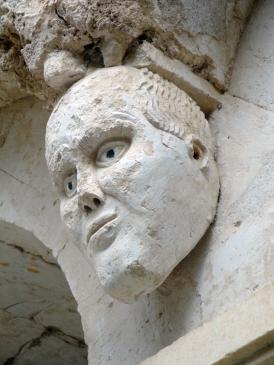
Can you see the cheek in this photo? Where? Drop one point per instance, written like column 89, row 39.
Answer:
column 70, row 214
column 121, row 177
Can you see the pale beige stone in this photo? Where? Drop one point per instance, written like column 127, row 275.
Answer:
column 222, row 271
column 147, row 56
column 34, row 294
column 235, row 259
column 62, row 69
column 128, row 152
column 252, row 78
column 229, row 338
column 203, row 35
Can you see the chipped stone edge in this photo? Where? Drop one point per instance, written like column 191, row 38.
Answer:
column 146, row 55
column 243, row 335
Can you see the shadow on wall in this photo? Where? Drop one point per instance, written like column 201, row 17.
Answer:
column 39, row 322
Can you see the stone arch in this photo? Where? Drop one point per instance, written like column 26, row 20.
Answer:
column 39, row 321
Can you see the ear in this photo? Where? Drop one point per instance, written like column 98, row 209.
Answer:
column 197, row 152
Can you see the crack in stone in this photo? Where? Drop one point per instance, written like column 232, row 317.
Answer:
column 12, row 176
column 19, row 180
column 11, row 360
column 49, row 331
column 61, row 250
column 22, row 250
column 65, row 337
column 250, row 102
column 11, row 306
column 60, row 17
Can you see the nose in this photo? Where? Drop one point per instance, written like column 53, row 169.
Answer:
column 90, row 195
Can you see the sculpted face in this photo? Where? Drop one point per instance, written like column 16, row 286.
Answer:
column 140, row 197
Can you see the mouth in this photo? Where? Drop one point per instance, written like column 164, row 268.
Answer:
column 99, row 223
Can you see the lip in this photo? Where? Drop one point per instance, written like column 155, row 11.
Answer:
column 100, row 223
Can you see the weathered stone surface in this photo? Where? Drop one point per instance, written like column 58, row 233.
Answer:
column 147, row 56
column 110, row 142
column 62, row 69
column 23, row 179
column 201, row 34
column 253, row 74
column 231, row 263
column 14, row 333
column 225, row 268
column 34, row 299
column 52, row 348
column 34, row 294
column 241, row 335
column 237, row 256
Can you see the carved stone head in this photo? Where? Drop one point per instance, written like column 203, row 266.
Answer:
column 132, row 158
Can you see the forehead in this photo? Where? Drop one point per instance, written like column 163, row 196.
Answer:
column 89, row 108
column 73, row 117
column 95, row 96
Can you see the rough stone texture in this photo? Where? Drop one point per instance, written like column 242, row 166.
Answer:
column 23, row 176
column 52, row 347
column 232, row 262
column 37, row 311
column 201, row 34
column 244, row 335
column 147, row 56
column 253, row 75
column 36, row 303
column 122, row 205
column 62, row 69
column 227, row 267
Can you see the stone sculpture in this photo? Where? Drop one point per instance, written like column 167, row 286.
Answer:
column 132, row 158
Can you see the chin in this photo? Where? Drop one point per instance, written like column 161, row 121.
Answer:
column 130, row 283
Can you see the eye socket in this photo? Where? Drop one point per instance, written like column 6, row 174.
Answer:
column 111, row 152
column 70, row 185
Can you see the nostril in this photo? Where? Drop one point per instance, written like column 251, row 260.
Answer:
column 87, row 209
column 96, row 202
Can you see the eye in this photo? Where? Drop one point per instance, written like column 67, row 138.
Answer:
column 111, row 152
column 70, row 185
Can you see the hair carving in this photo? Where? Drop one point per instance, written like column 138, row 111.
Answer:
column 170, row 109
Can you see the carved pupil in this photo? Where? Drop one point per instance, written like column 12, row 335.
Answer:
column 70, row 186
column 110, row 153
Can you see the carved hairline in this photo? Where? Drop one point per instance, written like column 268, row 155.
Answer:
column 170, row 109
column 165, row 106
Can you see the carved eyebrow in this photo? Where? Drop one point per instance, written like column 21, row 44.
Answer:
column 125, row 116
column 89, row 140
column 54, row 158
column 58, row 161
column 113, row 127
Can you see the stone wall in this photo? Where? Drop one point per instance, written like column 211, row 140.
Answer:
column 201, row 34
column 39, row 320
column 235, row 258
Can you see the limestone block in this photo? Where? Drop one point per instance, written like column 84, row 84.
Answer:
column 230, row 338
column 13, row 235
column 237, row 256
column 53, row 348
column 23, row 173
column 61, row 70
column 10, row 89
column 64, row 316
column 243, row 133
column 146, row 55
column 14, row 333
column 233, row 261
column 252, row 77
column 34, row 298
column 113, row 51
column 202, row 34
